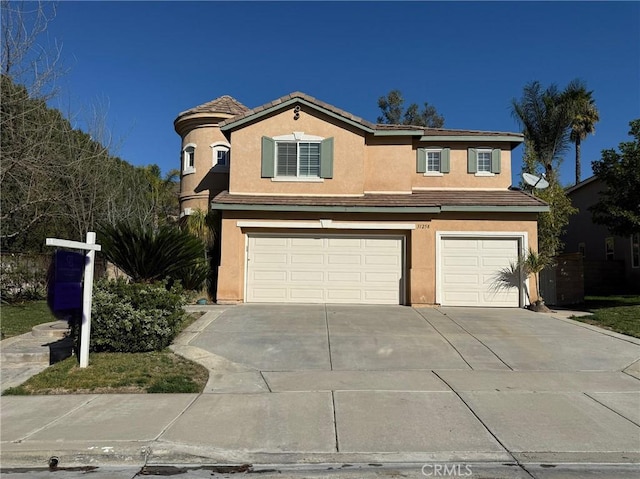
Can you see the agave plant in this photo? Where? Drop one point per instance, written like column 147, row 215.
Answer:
column 147, row 254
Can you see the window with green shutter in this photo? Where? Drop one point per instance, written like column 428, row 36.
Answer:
column 484, row 161
column 433, row 161
column 295, row 158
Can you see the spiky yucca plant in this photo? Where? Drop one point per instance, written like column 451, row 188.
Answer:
column 147, row 254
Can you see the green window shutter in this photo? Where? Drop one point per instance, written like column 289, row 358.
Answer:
column 326, row 158
column 268, row 157
column 496, row 154
column 444, row 160
column 421, row 160
column 472, row 162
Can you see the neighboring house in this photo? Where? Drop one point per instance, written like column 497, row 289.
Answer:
column 611, row 263
column 320, row 206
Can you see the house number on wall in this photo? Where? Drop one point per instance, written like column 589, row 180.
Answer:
column 422, row 226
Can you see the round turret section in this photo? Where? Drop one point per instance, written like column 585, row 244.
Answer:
column 204, row 151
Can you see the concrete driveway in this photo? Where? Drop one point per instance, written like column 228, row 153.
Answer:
column 386, row 378
column 530, row 394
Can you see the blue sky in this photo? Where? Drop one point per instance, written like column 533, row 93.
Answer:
column 151, row 60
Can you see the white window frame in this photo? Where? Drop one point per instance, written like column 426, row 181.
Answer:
column 479, row 172
column 635, row 245
column 437, row 172
column 217, row 147
column 609, row 241
column 296, row 137
column 582, row 249
column 186, row 168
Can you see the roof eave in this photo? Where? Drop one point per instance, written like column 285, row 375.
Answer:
column 267, row 111
column 379, row 209
column 474, row 138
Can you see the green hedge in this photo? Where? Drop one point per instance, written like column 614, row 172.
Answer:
column 134, row 317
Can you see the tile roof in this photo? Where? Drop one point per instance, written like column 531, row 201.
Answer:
column 246, row 113
column 302, row 96
column 224, row 104
column 428, row 198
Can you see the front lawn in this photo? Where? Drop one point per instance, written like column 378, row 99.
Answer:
column 19, row 318
column 616, row 313
column 153, row 372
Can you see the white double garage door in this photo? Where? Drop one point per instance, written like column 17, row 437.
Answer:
column 370, row 269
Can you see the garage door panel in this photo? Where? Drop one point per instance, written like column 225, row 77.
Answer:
column 338, row 269
column 462, row 244
column 462, row 261
column 347, row 243
column 382, row 259
column 308, row 242
column 270, row 294
column 344, row 277
column 454, row 281
column 303, row 295
column 271, row 258
column 270, row 242
column 469, row 270
column 269, row 275
column 342, row 295
column 379, row 277
column 306, row 276
column 340, row 259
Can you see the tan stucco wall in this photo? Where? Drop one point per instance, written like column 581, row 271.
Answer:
column 196, row 187
column 420, row 245
column 458, row 176
column 390, row 164
column 246, row 147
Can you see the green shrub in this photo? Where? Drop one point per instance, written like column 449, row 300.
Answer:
column 147, row 254
column 134, row 317
column 23, row 277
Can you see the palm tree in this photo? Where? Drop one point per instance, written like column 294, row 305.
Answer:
column 584, row 116
column 545, row 119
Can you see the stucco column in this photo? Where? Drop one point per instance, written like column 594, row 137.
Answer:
column 422, row 268
column 231, row 269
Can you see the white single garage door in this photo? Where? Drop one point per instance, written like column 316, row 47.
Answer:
column 469, row 267
column 324, row 269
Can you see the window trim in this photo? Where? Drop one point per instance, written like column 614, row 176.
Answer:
column 635, row 265
column 609, row 240
column 186, row 170
column 429, row 172
column 422, row 160
column 215, row 148
column 489, row 151
column 297, row 137
column 495, row 165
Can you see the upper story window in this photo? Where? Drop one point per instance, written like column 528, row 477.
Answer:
column 609, row 248
column 484, row 161
column 297, row 157
column 189, row 159
column 635, row 250
column 221, row 154
column 433, row 161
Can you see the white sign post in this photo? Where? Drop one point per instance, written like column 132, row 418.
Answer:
column 87, row 290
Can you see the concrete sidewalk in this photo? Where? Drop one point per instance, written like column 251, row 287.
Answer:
column 472, row 402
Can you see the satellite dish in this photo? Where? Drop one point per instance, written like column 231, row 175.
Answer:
column 536, row 181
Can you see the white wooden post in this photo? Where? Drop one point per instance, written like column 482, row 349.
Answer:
column 87, row 294
column 87, row 290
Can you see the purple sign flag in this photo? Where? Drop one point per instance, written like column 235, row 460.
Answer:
column 65, row 284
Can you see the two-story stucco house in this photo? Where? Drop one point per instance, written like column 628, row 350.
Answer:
column 321, row 206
